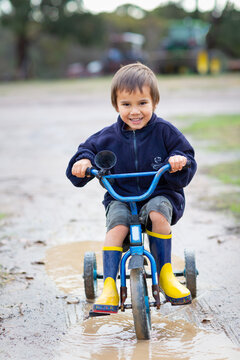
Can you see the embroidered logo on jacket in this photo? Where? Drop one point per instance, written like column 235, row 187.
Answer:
column 157, row 163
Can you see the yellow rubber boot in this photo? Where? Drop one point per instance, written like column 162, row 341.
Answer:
column 108, row 301
column 175, row 292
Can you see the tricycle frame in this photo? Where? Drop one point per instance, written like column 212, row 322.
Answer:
column 137, row 254
column 136, row 251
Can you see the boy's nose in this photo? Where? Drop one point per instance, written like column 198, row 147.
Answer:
column 135, row 110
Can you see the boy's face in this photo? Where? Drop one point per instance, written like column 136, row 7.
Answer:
column 135, row 108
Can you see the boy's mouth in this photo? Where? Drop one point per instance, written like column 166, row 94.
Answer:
column 136, row 120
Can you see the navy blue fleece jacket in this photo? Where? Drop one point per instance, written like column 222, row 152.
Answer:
column 137, row 151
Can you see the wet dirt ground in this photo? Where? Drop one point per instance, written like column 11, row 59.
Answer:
column 47, row 225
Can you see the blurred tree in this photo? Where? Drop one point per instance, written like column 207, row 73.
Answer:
column 224, row 33
column 66, row 18
column 86, row 28
column 152, row 24
column 63, row 18
column 7, row 65
column 23, row 18
column 18, row 19
column 122, row 20
column 169, row 11
column 35, row 24
column 131, row 10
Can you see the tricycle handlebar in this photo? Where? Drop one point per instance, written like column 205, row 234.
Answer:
column 105, row 181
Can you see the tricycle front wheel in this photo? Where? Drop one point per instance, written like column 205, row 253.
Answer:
column 90, row 275
column 140, row 304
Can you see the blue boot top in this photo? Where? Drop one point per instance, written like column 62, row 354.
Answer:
column 160, row 247
column 108, row 301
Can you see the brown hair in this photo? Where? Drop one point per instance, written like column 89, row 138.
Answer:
column 133, row 76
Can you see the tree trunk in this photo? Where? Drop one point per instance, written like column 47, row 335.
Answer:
column 22, row 60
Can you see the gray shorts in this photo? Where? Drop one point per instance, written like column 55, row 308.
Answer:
column 118, row 213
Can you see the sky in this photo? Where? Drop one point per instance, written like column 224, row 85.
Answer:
column 189, row 5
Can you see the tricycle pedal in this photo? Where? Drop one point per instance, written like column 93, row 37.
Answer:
column 179, row 273
column 94, row 314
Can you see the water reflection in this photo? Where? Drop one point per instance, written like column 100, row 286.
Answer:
column 113, row 337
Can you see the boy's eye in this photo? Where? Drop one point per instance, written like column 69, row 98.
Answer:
column 143, row 103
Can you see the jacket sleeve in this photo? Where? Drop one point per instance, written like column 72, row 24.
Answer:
column 177, row 144
column 85, row 150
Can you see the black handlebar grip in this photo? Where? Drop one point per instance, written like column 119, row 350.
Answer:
column 88, row 172
column 188, row 164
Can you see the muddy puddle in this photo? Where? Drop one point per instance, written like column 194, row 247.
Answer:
column 113, row 337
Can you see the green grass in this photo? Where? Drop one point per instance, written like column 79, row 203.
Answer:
column 222, row 131
column 228, row 173
column 226, row 202
column 2, row 216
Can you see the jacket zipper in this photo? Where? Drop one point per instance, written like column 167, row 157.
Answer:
column 136, row 158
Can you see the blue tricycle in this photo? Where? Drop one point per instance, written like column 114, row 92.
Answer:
column 137, row 255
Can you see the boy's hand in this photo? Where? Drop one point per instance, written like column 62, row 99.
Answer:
column 177, row 162
column 80, row 167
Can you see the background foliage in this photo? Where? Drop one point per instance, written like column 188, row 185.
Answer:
column 40, row 38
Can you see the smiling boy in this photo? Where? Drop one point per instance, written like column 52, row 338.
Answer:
column 142, row 142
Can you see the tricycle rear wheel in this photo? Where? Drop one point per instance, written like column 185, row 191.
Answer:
column 190, row 272
column 140, row 304
column 90, row 275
